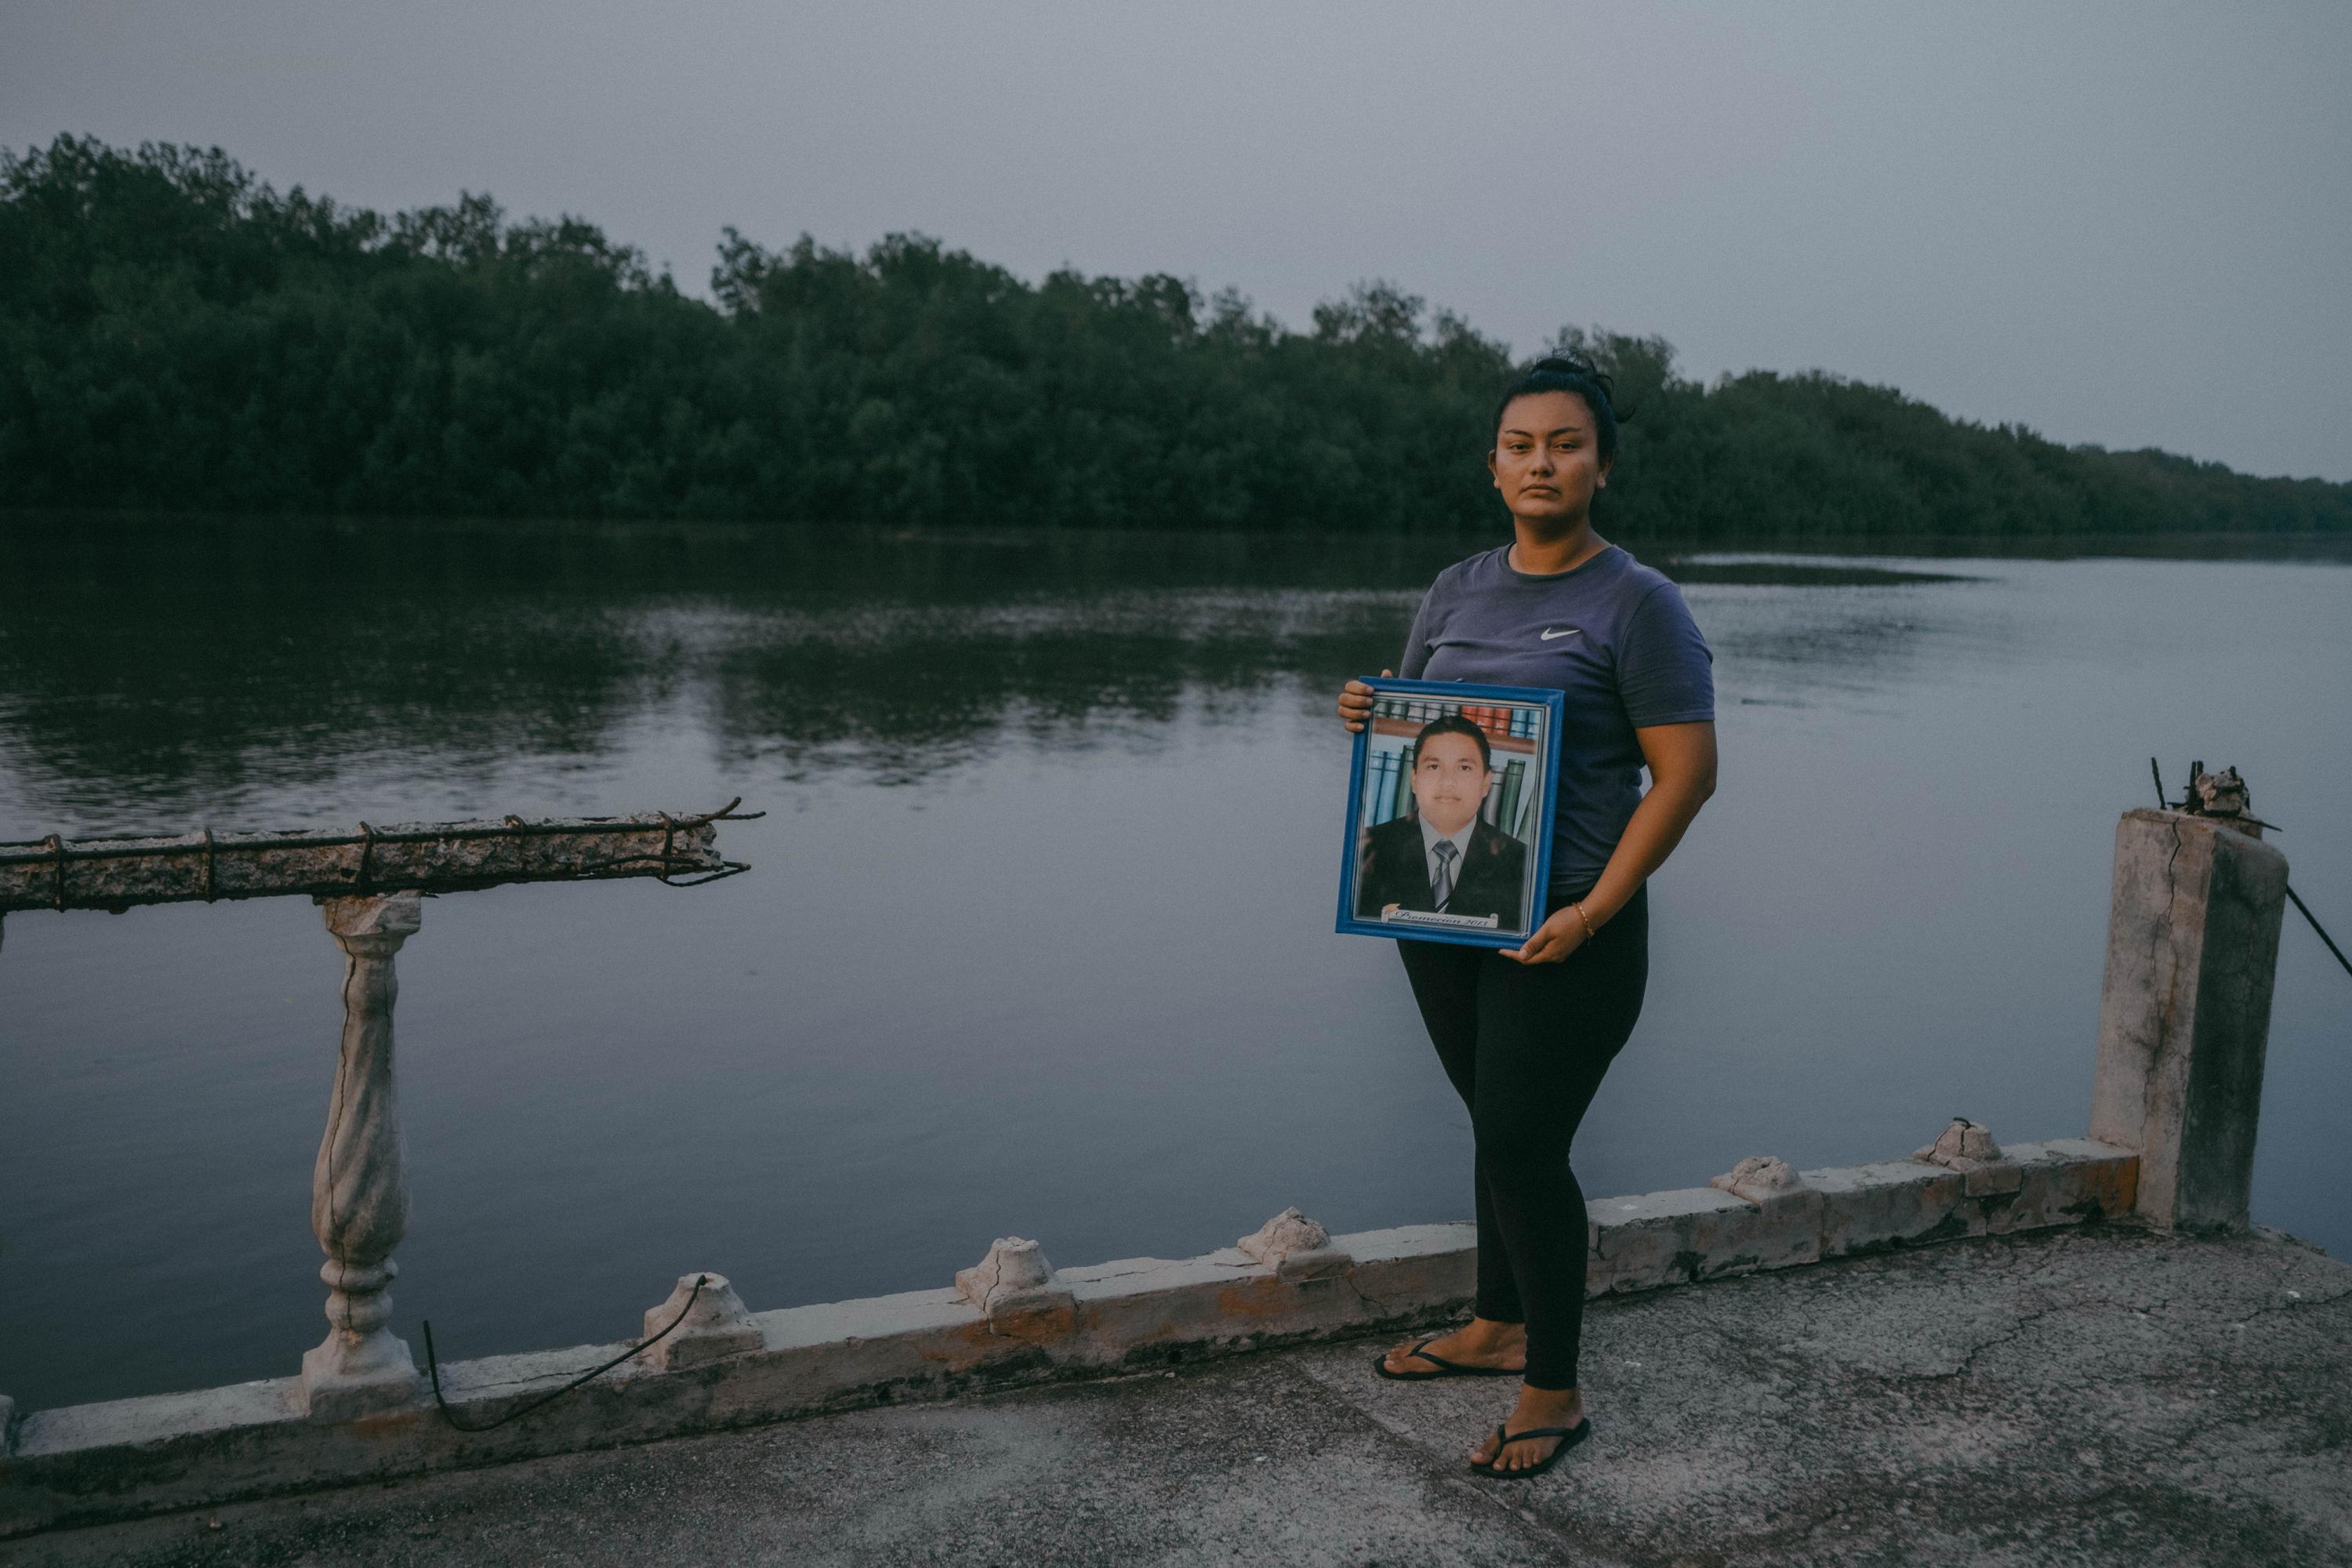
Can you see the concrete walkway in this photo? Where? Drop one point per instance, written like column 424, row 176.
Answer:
column 2104, row 1395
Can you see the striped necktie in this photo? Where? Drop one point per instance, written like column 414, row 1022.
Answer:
column 1446, row 850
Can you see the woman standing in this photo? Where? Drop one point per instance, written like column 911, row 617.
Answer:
column 1525, row 1035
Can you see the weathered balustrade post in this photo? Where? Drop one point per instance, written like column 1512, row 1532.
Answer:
column 2185, row 1011
column 359, row 1187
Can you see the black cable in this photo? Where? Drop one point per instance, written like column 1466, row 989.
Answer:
column 433, row 1364
column 2322, row 930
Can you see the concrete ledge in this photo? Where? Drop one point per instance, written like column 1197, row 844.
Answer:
column 90, row 1463
column 1665, row 1238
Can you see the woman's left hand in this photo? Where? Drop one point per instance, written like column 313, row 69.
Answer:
column 1554, row 939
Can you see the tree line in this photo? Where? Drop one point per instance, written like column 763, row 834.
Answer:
column 177, row 335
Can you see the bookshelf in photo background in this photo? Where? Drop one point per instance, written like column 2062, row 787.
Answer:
column 1388, row 773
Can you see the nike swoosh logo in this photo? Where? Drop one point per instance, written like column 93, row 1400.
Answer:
column 1569, row 633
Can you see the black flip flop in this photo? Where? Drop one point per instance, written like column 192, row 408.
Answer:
column 1572, row 1436
column 1446, row 1368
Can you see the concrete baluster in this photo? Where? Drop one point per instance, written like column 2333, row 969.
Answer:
column 359, row 1187
column 2185, row 1011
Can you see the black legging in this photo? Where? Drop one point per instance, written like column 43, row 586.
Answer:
column 1526, row 1046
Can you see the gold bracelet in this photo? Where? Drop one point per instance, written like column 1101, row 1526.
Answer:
column 1579, row 907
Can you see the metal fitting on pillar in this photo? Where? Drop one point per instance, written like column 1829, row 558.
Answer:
column 359, row 1185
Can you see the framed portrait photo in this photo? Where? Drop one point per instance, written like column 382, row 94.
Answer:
column 1449, row 812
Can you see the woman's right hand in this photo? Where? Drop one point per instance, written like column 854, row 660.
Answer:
column 1356, row 703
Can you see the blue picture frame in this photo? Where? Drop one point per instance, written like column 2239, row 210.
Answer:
column 1526, row 814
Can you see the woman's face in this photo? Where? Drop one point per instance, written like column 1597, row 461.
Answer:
column 1546, row 459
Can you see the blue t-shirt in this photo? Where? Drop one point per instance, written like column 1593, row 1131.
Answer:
column 1613, row 635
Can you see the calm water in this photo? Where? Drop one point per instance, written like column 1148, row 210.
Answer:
column 1038, row 937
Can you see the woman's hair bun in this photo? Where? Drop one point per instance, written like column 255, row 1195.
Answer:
column 1579, row 367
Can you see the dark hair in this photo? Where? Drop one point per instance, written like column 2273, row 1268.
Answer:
column 1563, row 373
column 1455, row 724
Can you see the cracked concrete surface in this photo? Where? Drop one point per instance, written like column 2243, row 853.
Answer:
column 2103, row 1396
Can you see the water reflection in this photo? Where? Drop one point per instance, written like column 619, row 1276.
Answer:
column 154, row 672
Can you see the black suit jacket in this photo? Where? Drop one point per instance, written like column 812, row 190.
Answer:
column 1394, row 868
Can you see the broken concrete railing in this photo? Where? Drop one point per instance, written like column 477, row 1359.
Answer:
column 1011, row 1318
column 1764, row 1215
column 2182, row 1026
column 368, row 886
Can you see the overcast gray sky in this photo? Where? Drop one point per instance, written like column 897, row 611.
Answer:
column 2122, row 222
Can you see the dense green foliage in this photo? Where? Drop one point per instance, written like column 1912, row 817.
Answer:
column 177, row 335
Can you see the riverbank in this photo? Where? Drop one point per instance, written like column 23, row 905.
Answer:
column 2106, row 1394
column 595, row 386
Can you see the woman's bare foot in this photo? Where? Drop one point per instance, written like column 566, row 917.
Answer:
column 1536, row 1407
column 1479, row 1343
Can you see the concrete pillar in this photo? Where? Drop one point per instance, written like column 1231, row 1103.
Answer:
column 359, row 1187
column 2185, row 1013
